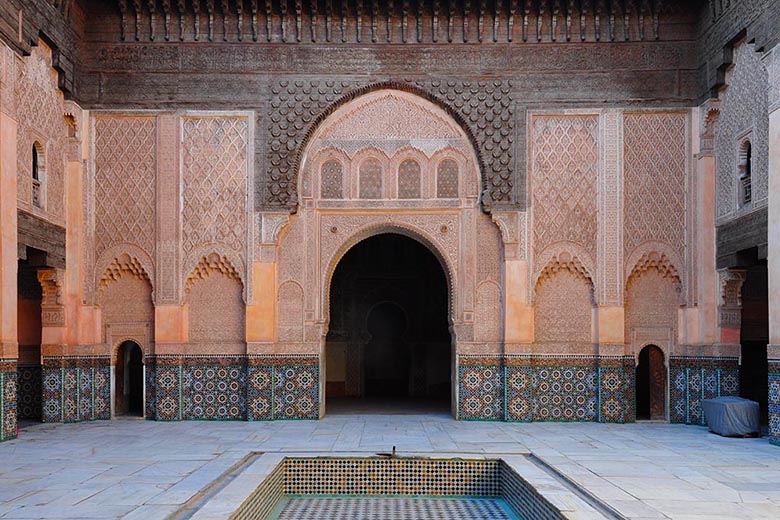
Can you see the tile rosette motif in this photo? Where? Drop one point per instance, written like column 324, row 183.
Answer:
column 774, row 401
column 30, row 391
column 8, row 395
column 76, row 388
column 546, row 388
column 693, row 379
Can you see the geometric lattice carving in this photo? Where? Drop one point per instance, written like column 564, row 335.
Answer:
column 447, row 179
column 290, row 307
column 744, row 105
column 371, row 179
column 210, row 264
column 39, row 111
column 331, row 175
column 409, row 180
column 214, row 170
column 563, row 306
column 296, row 106
column 564, row 175
column 125, row 173
column 651, row 307
column 217, row 313
column 123, row 265
column 654, row 179
column 488, row 322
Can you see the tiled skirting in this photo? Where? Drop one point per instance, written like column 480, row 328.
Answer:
column 76, row 388
column 7, row 399
column 692, row 379
column 774, row 401
column 546, row 388
column 264, row 387
column 30, row 392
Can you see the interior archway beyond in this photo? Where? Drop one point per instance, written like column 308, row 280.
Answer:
column 651, row 384
column 388, row 348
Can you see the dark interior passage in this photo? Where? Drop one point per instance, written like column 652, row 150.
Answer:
column 129, row 377
column 388, row 337
column 651, row 384
column 29, row 386
column 754, row 335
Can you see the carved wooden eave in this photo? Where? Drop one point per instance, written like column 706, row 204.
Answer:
column 419, row 22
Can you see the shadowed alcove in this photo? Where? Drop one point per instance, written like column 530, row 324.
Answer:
column 388, row 345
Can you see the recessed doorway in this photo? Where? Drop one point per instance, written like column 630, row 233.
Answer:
column 651, row 384
column 129, row 381
column 388, row 348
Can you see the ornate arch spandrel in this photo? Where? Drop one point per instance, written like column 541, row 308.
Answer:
column 660, row 256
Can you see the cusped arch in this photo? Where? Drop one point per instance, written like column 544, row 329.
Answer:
column 121, row 258
column 409, row 231
column 564, row 256
column 213, row 262
column 658, row 255
column 315, row 126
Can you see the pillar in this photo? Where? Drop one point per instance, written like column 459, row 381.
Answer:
column 772, row 60
column 9, row 350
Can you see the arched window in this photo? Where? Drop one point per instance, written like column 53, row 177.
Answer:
column 37, row 174
column 409, row 180
column 371, row 179
column 447, row 179
column 331, row 175
column 745, row 172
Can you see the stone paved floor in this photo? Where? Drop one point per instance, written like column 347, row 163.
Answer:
column 139, row 469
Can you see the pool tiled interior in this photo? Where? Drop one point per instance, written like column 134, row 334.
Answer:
column 393, row 508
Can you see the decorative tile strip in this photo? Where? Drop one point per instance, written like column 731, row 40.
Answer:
column 8, row 395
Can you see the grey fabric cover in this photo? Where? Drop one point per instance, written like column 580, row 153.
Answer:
column 731, row 415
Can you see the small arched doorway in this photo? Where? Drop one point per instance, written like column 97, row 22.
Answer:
column 129, row 378
column 388, row 347
column 651, row 384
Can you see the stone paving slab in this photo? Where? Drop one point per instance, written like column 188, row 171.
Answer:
column 146, row 469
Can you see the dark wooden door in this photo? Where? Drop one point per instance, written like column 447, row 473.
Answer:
column 657, row 382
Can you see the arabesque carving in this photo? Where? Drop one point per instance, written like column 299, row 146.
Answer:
column 122, row 265
column 213, row 263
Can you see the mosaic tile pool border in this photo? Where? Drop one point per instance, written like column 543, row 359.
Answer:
column 380, row 477
column 8, row 399
column 692, row 379
column 546, row 388
column 76, row 388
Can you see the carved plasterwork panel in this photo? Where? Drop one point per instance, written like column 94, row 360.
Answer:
column 125, row 181
column 743, row 108
column 651, row 308
column 563, row 180
column 214, row 176
column 289, row 325
column 563, row 309
column 126, row 298
column 216, row 311
column 488, row 312
column 482, row 109
column 52, row 302
column 40, row 114
column 655, row 176
column 730, row 297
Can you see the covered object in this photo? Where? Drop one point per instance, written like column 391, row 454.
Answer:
column 731, row 415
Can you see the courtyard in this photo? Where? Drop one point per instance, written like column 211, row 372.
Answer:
column 137, row 469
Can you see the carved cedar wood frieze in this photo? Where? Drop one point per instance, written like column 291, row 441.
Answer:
column 484, row 110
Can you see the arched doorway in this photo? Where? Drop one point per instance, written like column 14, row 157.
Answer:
column 129, row 377
column 388, row 347
column 651, row 384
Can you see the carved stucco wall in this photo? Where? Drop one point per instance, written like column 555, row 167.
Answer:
column 125, row 181
column 651, row 310
column 126, row 302
column 743, row 113
column 40, row 114
column 143, row 201
column 388, row 127
column 563, row 314
column 216, row 314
